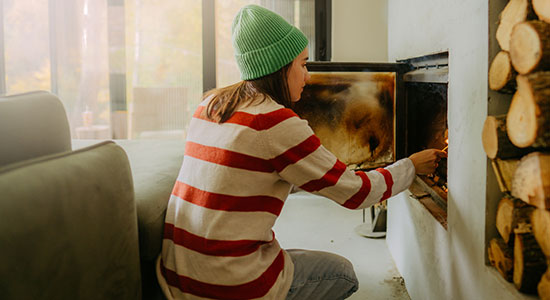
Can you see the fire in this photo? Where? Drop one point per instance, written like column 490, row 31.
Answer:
column 447, row 146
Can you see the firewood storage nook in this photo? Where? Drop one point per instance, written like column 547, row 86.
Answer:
column 516, row 139
column 372, row 114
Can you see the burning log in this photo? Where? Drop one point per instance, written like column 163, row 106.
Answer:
column 502, row 77
column 542, row 9
column 495, row 139
column 544, row 286
column 528, row 118
column 530, row 46
column 501, row 257
column 529, row 261
column 540, row 221
column 511, row 214
column 531, row 182
column 516, row 11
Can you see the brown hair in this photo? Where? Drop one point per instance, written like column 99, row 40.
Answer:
column 227, row 99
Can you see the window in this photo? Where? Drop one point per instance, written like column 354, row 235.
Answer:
column 127, row 68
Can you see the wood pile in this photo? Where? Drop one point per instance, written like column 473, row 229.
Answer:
column 518, row 144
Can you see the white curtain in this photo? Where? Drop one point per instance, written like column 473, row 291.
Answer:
column 124, row 68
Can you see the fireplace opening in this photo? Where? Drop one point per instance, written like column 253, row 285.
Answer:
column 426, row 125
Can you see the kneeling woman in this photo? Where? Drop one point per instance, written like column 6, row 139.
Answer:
column 245, row 149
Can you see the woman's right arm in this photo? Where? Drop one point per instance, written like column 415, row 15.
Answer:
column 300, row 159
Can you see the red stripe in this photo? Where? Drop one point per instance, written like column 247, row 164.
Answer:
column 253, row 289
column 296, row 153
column 389, row 183
column 361, row 195
column 227, row 202
column 211, row 247
column 227, row 158
column 329, row 179
column 256, row 122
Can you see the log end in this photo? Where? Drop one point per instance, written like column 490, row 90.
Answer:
column 504, row 218
column 542, row 9
column 489, row 137
column 500, row 72
column 530, row 181
column 525, row 47
column 521, row 121
column 500, row 257
column 540, row 222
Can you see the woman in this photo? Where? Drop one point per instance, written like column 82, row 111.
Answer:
column 245, row 149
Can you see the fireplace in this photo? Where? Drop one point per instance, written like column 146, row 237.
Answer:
column 426, row 119
column 372, row 114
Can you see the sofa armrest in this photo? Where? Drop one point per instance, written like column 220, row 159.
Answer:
column 32, row 125
column 68, row 227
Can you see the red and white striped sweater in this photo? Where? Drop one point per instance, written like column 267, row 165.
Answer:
column 218, row 239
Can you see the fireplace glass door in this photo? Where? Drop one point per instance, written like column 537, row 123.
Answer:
column 372, row 114
column 354, row 109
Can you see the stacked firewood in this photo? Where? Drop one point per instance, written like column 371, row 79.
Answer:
column 518, row 144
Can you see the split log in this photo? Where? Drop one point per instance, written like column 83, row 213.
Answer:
column 516, row 11
column 529, row 261
column 531, row 182
column 542, row 9
column 511, row 214
column 504, row 171
column 544, row 286
column 530, row 46
column 528, row 118
column 502, row 77
column 496, row 142
column 540, row 222
column 501, row 257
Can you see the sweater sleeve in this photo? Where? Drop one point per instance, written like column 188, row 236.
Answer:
column 300, row 159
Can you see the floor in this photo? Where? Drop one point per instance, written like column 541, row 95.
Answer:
column 313, row 222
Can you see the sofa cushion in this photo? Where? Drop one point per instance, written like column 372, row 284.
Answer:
column 31, row 125
column 68, row 227
column 155, row 166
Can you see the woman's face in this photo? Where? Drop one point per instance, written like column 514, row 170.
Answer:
column 298, row 75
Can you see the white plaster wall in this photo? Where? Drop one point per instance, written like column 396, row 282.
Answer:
column 439, row 264
column 360, row 30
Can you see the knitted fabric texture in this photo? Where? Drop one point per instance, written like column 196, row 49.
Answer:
column 264, row 42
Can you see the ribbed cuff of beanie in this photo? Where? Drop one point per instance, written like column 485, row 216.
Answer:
column 268, row 60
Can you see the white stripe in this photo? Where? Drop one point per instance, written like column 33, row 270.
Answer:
column 266, row 106
column 245, row 140
column 219, row 224
column 314, row 166
column 287, row 134
column 221, row 270
column 403, row 174
column 225, row 180
column 229, row 136
column 350, row 180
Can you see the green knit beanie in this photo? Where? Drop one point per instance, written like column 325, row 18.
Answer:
column 264, row 42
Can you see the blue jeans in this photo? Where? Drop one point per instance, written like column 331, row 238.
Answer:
column 321, row 276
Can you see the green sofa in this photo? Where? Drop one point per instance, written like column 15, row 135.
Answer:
column 79, row 219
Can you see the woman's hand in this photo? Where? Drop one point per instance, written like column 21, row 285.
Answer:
column 426, row 161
